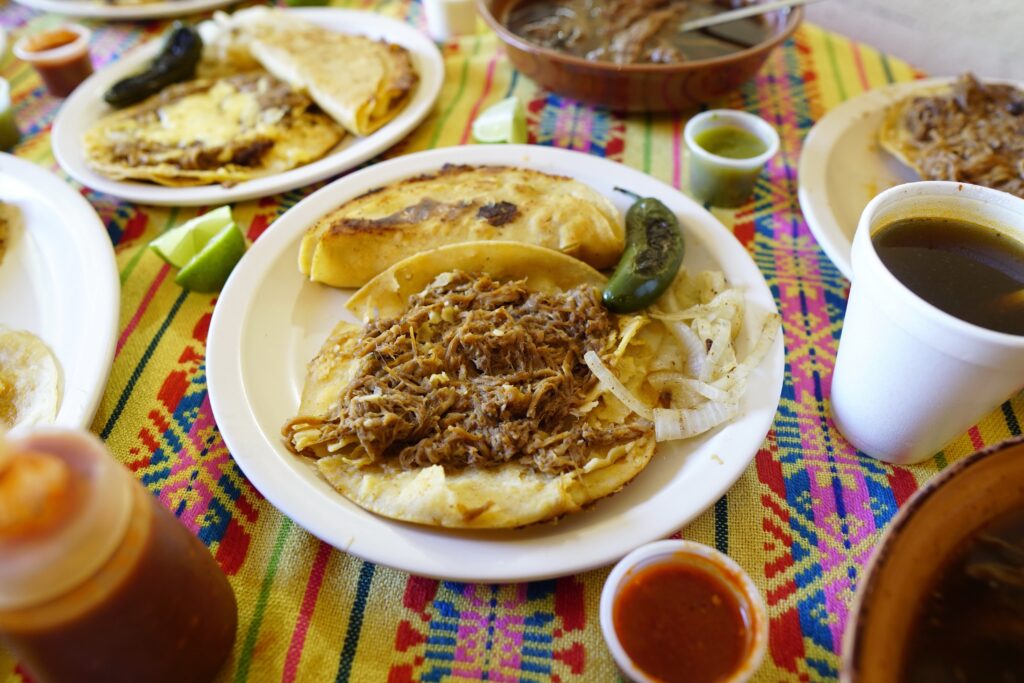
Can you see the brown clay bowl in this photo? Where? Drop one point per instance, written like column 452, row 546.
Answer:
column 927, row 530
column 637, row 87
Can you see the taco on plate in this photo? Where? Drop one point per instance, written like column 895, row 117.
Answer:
column 464, row 399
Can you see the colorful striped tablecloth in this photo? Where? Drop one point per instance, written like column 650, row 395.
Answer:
column 802, row 520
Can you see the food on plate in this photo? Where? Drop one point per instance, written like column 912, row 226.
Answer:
column 177, row 61
column 970, row 624
column 206, row 249
column 488, row 387
column 362, row 83
column 504, row 121
column 648, row 265
column 223, row 130
column 30, row 380
column 366, row 235
column 969, row 132
column 273, row 92
column 633, row 31
column 971, row 271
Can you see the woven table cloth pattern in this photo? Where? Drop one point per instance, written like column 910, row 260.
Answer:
column 802, row 520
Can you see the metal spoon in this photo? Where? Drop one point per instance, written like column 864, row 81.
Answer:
column 741, row 13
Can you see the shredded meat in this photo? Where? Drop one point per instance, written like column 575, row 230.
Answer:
column 480, row 373
column 973, row 135
column 619, row 31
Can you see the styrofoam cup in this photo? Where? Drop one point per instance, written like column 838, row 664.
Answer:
column 909, row 377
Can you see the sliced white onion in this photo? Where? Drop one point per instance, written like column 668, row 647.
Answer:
column 610, row 382
column 771, row 327
column 672, row 424
column 720, row 353
column 674, row 383
column 728, row 304
column 696, row 352
column 710, row 284
column 709, row 391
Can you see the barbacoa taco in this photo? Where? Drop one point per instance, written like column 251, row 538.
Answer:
column 464, row 399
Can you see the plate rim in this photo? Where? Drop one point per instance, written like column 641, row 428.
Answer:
column 90, row 231
column 95, row 10
column 245, row 437
column 68, row 126
column 812, row 190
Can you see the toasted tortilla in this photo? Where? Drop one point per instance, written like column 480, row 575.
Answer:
column 368, row 234
column 30, row 380
column 222, row 130
column 894, row 137
column 503, row 496
column 360, row 82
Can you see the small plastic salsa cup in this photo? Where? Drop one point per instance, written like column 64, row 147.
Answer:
column 680, row 611
column 721, row 180
column 60, row 55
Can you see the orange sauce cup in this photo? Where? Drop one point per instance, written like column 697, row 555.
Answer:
column 60, row 55
column 676, row 611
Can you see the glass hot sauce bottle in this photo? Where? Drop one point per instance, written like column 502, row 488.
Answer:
column 98, row 582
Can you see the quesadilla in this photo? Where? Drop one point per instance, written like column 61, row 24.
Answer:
column 360, row 82
column 467, row 402
column 366, row 235
column 222, row 130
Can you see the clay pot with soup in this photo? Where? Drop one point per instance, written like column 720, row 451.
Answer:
column 943, row 599
column 629, row 55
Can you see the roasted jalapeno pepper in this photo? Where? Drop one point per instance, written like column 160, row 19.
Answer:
column 176, row 62
column 654, row 251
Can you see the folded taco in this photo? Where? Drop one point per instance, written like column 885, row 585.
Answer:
column 464, row 400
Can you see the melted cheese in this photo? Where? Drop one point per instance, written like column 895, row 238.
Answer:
column 215, row 117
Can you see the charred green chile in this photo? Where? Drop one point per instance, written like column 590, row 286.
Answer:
column 654, row 251
column 176, row 62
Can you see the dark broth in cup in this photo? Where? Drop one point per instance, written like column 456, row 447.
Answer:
column 970, row 271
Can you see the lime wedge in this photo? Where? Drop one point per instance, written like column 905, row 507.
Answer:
column 208, row 270
column 178, row 245
column 501, row 122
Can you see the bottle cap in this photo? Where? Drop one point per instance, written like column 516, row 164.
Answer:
column 64, row 508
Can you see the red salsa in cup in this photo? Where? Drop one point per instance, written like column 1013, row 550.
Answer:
column 60, row 55
column 681, row 623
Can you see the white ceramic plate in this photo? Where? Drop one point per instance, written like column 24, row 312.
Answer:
column 96, row 9
column 86, row 106
column 59, row 280
column 270, row 320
